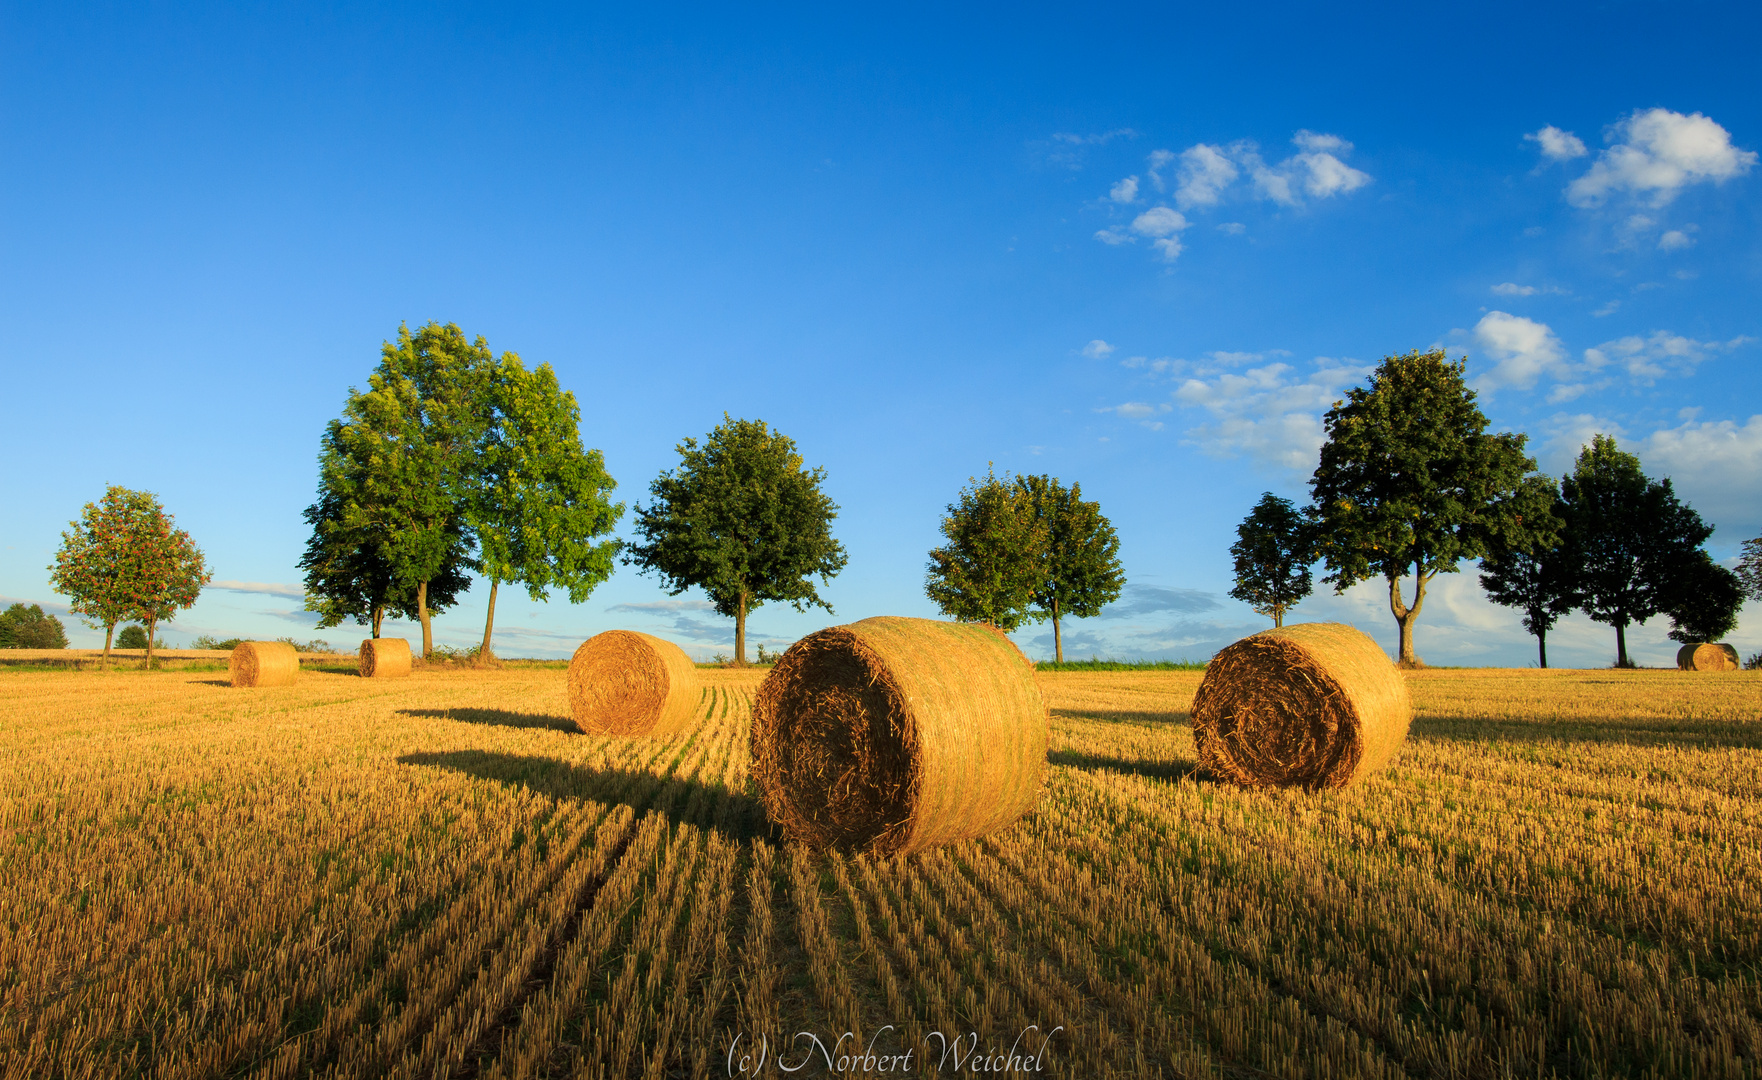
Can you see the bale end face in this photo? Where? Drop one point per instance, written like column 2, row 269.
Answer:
column 625, row 683
column 385, row 658
column 1317, row 705
column 1707, row 656
column 264, row 663
column 893, row 735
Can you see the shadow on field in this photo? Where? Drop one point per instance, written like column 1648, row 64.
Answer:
column 497, row 718
column 1705, row 734
column 1113, row 717
column 1156, row 770
column 735, row 814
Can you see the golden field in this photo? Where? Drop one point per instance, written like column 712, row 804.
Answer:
column 1559, row 875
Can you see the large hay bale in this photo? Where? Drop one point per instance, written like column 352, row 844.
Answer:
column 264, row 663
column 894, row 735
column 385, row 658
column 1707, row 656
column 625, row 683
column 1318, row 705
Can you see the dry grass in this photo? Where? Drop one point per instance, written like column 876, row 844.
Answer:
column 1558, row 875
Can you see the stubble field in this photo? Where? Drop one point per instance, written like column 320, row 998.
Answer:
column 1559, row 875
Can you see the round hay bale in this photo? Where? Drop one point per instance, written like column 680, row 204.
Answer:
column 385, row 658
column 264, row 663
column 1317, row 705
column 894, row 735
column 1707, row 656
column 625, row 683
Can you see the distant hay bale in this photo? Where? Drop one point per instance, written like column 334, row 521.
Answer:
column 1707, row 656
column 1318, row 705
column 385, row 658
column 264, row 663
column 894, row 735
column 625, row 683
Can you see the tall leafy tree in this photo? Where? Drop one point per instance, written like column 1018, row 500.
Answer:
column 126, row 559
column 541, row 499
column 991, row 567
column 1705, row 601
column 1079, row 561
column 1273, row 550
column 742, row 519
column 406, row 456
column 1536, row 575
column 1629, row 535
column 30, row 628
column 1412, row 482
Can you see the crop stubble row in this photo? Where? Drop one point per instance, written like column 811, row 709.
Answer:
column 1559, row 876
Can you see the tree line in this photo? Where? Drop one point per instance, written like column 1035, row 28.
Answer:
column 1411, row 482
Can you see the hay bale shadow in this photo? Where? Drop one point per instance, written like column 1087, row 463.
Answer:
column 1155, row 770
column 497, row 718
column 736, row 814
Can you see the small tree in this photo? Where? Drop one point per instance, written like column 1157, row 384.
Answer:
column 540, row 499
column 741, row 519
column 349, row 574
column 1411, row 481
column 1273, row 549
column 1536, row 576
column 991, row 568
column 124, row 560
column 1080, row 570
column 29, row 628
column 1706, row 599
column 1629, row 536
column 1750, row 568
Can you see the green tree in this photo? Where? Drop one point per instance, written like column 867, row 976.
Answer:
column 1750, row 568
column 1705, row 600
column 124, row 560
column 348, row 571
column 1273, row 549
column 991, row 568
column 134, row 636
column 1411, row 481
column 1629, row 535
column 1079, row 564
column 540, row 499
column 741, row 519
column 406, row 456
column 30, row 628
column 1536, row 575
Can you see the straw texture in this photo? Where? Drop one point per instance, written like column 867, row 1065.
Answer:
column 264, row 663
column 1317, row 705
column 1707, row 656
column 894, row 735
column 625, row 683
column 385, row 658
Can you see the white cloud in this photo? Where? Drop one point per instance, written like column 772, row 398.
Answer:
column 1098, row 349
column 1113, row 237
column 1564, row 435
column 1716, row 465
column 1607, row 309
column 1125, row 191
column 1317, row 143
column 1648, row 359
column 1509, row 289
column 1329, row 176
column 1523, row 348
column 1232, row 228
column 1159, row 160
column 292, row 592
column 1165, row 225
column 1141, row 411
column 1558, row 145
column 1205, row 172
column 1269, row 413
column 1675, row 240
column 1659, row 153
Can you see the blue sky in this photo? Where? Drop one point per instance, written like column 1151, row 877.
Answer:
column 1139, row 248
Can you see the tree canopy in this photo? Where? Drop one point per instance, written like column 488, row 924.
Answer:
column 540, row 498
column 1274, row 547
column 1705, row 600
column 1629, row 538
column 24, row 627
column 1536, row 574
column 990, row 569
column 1079, row 560
column 1750, row 568
column 1411, row 482
column 125, row 559
column 742, row 519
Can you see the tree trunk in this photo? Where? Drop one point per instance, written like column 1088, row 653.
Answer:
column 422, row 613
column 1278, row 616
column 152, row 626
column 1058, row 641
column 1621, row 644
column 740, row 633
column 1542, row 646
column 378, row 617
column 1406, row 616
column 109, row 632
column 490, row 622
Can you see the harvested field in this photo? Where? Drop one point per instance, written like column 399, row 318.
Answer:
column 1559, row 874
